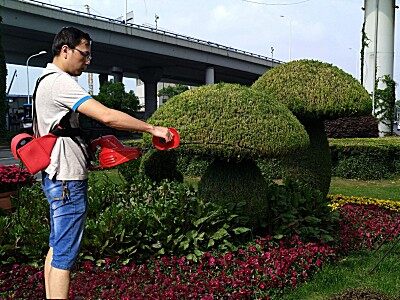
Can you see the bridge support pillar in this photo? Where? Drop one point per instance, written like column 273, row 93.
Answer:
column 117, row 73
column 210, row 75
column 150, row 77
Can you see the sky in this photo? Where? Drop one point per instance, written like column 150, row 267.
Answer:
column 326, row 30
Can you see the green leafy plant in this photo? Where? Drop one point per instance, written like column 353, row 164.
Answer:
column 156, row 219
column 113, row 95
column 172, row 90
column 133, row 220
column 297, row 209
column 385, row 100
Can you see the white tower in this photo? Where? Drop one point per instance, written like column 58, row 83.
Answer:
column 379, row 21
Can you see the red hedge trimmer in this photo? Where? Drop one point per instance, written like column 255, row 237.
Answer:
column 35, row 152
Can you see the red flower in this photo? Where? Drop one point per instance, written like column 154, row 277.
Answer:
column 12, row 177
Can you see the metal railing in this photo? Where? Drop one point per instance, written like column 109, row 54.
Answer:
column 151, row 29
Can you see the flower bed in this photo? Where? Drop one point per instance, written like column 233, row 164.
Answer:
column 338, row 201
column 12, row 177
column 259, row 270
column 256, row 270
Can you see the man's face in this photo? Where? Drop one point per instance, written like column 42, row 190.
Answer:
column 79, row 58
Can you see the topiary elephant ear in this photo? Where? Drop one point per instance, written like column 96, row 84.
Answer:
column 314, row 91
column 229, row 120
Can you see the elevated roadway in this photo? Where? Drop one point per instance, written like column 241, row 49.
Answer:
column 127, row 50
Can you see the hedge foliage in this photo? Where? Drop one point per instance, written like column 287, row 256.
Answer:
column 240, row 187
column 315, row 90
column 313, row 164
column 358, row 158
column 160, row 165
column 367, row 158
column 229, row 120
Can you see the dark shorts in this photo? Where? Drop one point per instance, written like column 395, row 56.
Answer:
column 68, row 206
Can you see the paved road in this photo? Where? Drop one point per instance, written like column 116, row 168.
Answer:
column 6, row 157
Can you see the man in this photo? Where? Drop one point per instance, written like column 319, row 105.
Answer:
column 59, row 98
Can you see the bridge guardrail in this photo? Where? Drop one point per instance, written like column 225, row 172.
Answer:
column 151, row 29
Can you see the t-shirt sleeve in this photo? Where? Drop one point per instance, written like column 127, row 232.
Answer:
column 69, row 93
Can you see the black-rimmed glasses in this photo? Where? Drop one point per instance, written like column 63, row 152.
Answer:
column 85, row 54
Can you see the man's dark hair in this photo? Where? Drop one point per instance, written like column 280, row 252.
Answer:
column 69, row 36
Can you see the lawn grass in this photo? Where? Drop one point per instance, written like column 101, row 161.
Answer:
column 352, row 272
column 388, row 189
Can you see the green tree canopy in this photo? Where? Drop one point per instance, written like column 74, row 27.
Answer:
column 113, row 95
column 170, row 91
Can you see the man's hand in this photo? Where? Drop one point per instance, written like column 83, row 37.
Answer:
column 162, row 132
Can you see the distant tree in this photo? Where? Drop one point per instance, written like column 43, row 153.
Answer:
column 385, row 100
column 113, row 95
column 170, row 91
column 3, row 76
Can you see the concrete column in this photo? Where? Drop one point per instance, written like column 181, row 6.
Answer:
column 103, row 78
column 150, row 77
column 210, row 75
column 117, row 73
column 379, row 53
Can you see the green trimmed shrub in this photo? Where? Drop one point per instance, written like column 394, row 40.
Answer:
column 367, row 158
column 223, row 184
column 235, row 125
column 314, row 91
column 311, row 166
column 193, row 165
column 364, row 167
column 228, row 120
column 160, row 165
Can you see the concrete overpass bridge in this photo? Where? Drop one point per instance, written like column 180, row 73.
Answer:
column 127, row 50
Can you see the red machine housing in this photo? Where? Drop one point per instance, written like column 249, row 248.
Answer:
column 113, row 152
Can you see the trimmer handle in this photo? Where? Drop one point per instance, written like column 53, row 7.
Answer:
column 161, row 144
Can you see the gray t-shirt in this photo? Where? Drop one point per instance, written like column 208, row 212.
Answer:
column 58, row 94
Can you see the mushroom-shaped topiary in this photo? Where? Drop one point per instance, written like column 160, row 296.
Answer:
column 314, row 91
column 235, row 125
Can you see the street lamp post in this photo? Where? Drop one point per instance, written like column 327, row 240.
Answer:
column 290, row 36
column 156, row 17
column 27, row 70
